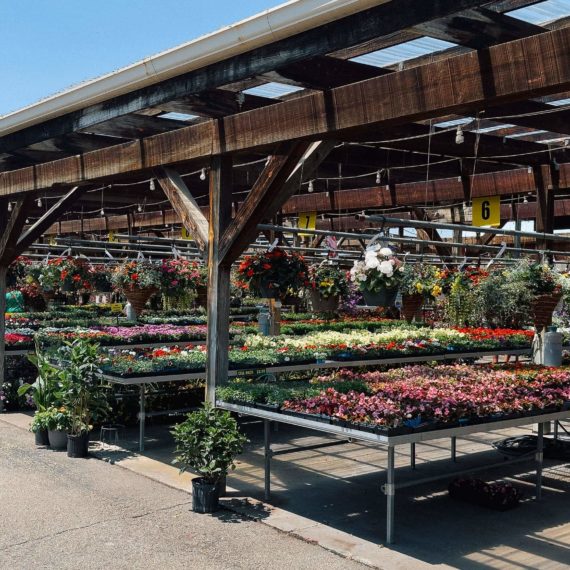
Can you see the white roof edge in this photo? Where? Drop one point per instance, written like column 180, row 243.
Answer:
column 266, row 27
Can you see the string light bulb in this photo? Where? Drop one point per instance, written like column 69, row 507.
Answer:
column 152, row 185
column 525, row 200
column 39, row 202
column 27, row 220
column 9, row 206
column 203, row 174
column 102, row 212
column 311, row 187
column 139, row 208
column 459, row 138
column 378, row 177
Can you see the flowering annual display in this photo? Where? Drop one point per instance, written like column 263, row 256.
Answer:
column 423, row 397
column 272, row 273
column 379, row 270
column 259, row 351
column 420, row 279
column 180, row 274
column 112, row 335
column 61, row 273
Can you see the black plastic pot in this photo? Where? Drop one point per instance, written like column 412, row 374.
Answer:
column 42, row 437
column 57, row 439
column 383, row 298
column 205, row 496
column 78, row 445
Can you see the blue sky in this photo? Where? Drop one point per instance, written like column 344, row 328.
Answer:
column 48, row 45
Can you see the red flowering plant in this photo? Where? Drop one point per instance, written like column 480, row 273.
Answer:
column 272, row 273
column 132, row 275
column 65, row 273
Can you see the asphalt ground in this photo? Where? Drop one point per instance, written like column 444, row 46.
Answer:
column 61, row 513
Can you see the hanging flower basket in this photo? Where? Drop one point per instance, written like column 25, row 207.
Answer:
column 381, row 298
column 267, row 292
column 139, row 297
column 322, row 305
column 542, row 308
column 411, row 304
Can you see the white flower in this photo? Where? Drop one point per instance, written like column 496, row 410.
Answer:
column 387, row 268
column 386, row 252
column 371, row 260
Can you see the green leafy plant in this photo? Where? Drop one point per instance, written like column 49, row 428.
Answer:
column 53, row 418
column 45, row 390
column 208, row 442
column 82, row 387
column 420, row 279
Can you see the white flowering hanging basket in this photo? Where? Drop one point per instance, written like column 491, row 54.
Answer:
column 378, row 276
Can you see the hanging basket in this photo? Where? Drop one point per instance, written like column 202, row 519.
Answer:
column 411, row 304
column 322, row 305
column 267, row 292
column 139, row 297
column 542, row 308
column 382, row 298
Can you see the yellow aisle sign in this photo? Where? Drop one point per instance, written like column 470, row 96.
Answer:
column 307, row 221
column 116, row 307
column 185, row 234
column 487, row 211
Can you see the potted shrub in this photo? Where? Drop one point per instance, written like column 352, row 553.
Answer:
column 207, row 442
column 271, row 273
column 419, row 283
column 82, row 391
column 327, row 283
column 138, row 281
column 378, row 276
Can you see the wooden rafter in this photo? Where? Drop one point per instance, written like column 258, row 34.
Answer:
column 343, row 33
column 41, row 225
column 13, row 229
column 184, row 205
column 508, row 72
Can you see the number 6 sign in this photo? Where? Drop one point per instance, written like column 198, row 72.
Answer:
column 487, row 211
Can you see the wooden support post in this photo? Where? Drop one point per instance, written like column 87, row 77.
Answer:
column 547, row 181
column 275, row 312
column 218, row 276
column 5, row 237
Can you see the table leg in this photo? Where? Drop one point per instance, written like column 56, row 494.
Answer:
column 453, row 448
column 390, row 495
column 267, row 457
column 556, row 429
column 539, row 457
column 413, row 455
column 142, row 419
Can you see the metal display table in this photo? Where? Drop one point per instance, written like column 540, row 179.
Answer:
column 141, row 381
column 390, row 443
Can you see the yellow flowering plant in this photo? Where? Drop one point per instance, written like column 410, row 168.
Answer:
column 328, row 280
column 420, row 279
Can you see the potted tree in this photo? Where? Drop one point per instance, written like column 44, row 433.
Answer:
column 327, row 283
column 378, row 276
column 138, row 281
column 82, row 391
column 207, row 442
column 271, row 273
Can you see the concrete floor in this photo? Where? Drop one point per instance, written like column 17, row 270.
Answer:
column 61, row 513
column 339, row 487
column 332, row 497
